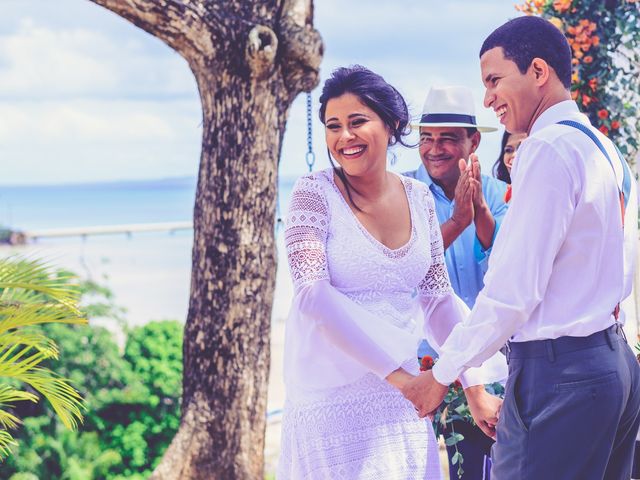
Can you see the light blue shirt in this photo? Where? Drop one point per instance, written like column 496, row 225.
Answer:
column 466, row 260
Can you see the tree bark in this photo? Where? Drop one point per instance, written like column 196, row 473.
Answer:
column 250, row 59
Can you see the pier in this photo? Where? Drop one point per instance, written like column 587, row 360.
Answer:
column 26, row 236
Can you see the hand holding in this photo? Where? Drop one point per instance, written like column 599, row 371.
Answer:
column 485, row 409
column 425, row 393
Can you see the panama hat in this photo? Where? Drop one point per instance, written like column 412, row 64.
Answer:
column 450, row 107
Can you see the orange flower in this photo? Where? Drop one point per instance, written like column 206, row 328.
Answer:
column 557, row 22
column 595, row 40
column 586, row 100
column 588, row 59
column 615, row 124
column 604, row 130
column 562, row 5
column 602, row 114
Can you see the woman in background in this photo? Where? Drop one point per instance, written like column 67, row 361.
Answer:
column 502, row 167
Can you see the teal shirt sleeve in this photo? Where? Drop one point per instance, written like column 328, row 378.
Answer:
column 493, row 190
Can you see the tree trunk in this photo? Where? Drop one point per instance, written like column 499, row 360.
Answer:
column 250, row 59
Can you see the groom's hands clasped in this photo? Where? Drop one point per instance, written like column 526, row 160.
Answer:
column 424, row 392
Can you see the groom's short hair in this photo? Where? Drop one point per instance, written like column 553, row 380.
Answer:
column 525, row 38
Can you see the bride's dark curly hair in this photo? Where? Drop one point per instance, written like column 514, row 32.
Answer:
column 372, row 90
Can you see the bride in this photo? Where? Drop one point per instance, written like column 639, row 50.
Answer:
column 366, row 257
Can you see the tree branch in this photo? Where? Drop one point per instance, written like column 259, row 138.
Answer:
column 301, row 46
column 166, row 20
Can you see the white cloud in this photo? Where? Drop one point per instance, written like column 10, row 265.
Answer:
column 39, row 61
column 86, row 95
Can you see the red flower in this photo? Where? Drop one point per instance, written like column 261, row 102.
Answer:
column 604, row 129
column 588, row 59
column 426, row 363
column 586, row 100
column 507, row 194
column 615, row 124
column 602, row 114
column 593, row 83
column 457, row 385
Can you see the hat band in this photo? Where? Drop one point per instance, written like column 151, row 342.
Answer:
column 448, row 118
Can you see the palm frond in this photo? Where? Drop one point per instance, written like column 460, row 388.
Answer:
column 65, row 400
column 32, row 293
column 23, row 315
column 9, row 395
column 21, row 278
column 33, row 340
column 6, row 442
column 17, row 360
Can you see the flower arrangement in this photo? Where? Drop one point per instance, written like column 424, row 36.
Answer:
column 454, row 407
column 605, row 43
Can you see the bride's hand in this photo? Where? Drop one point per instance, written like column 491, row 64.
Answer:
column 485, row 409
column 425, row 393
column 399, row 378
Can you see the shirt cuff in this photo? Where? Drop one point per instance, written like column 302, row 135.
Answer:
column 472, row 377
column 481, row 254
column 444, row 372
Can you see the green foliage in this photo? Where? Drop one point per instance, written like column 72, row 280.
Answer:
column 132, row 397
column 454, row 408
column 32, row 293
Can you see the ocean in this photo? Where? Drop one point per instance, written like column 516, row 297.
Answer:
column 149, row 273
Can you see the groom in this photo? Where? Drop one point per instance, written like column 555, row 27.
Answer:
column 561, row 263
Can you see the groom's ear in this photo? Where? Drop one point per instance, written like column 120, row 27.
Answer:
column 540, row 70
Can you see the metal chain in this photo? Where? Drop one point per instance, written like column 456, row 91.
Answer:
column 310, row 157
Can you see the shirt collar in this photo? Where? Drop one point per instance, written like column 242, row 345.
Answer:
column 423, row 176
column 565, row 110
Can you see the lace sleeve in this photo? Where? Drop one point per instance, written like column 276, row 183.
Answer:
column 306, row 229
column 436, row 281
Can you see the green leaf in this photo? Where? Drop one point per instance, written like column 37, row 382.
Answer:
column 6, row 442
column 453, row 439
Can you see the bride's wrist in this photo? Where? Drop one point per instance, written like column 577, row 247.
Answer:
column 399, row 378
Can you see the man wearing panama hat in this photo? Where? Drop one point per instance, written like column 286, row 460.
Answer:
column 470, row 207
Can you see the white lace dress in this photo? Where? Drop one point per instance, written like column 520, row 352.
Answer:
column 358, row 313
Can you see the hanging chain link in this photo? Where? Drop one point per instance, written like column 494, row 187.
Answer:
column 310, row 156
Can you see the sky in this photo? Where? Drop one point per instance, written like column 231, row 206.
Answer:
column 85, row 96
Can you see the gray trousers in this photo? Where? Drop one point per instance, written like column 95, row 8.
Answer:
column 571, row 410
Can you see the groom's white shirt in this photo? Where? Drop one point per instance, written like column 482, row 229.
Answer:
column 558, row 265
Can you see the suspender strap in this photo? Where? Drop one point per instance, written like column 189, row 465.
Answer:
column 625, row 191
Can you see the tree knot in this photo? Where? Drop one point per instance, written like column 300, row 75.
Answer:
column 260, row 52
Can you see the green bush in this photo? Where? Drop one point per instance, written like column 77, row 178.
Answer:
column 132, row 402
